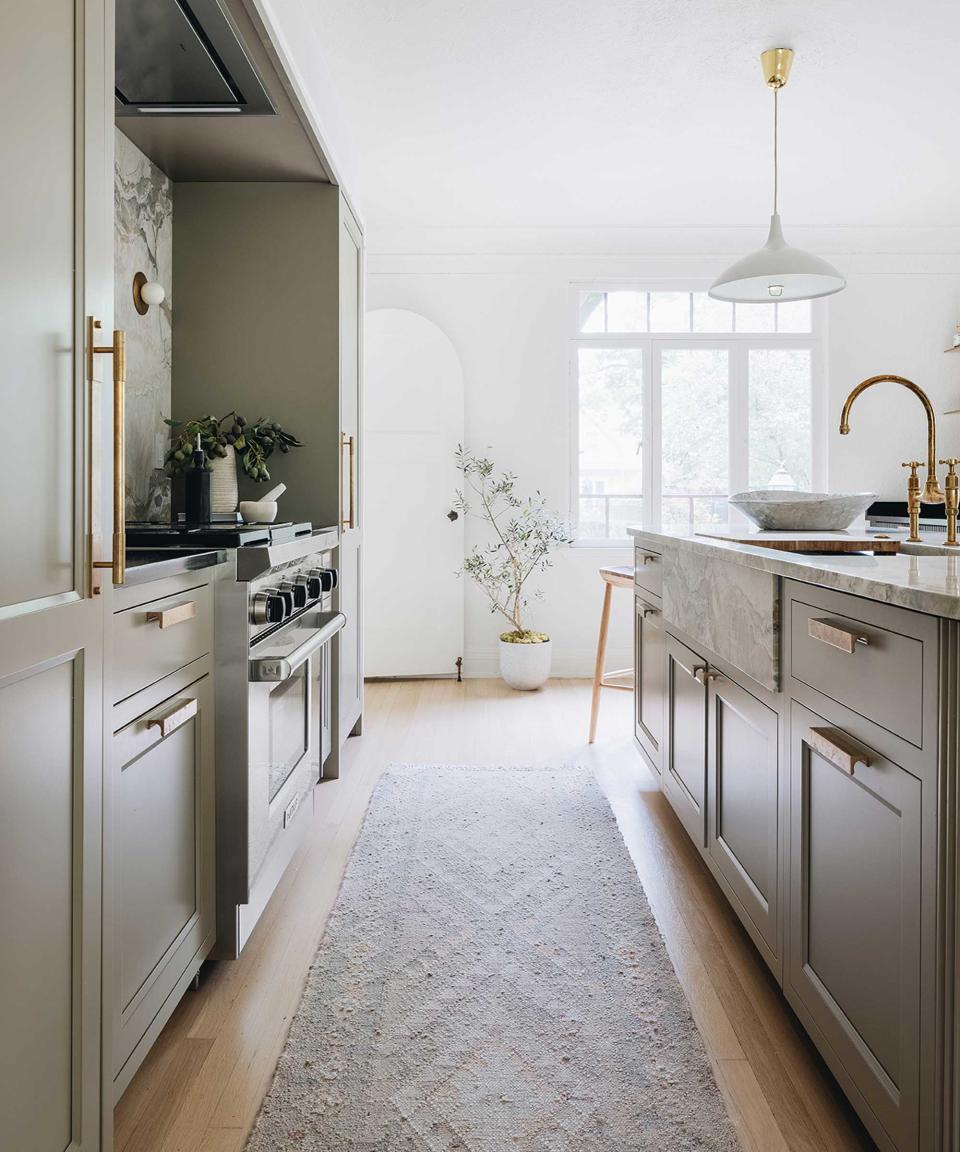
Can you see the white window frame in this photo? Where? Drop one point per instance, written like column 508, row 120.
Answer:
column 738, row 345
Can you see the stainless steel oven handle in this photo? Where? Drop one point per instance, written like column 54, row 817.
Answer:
column 276, row 669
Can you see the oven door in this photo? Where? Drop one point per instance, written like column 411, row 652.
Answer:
column 285, row 726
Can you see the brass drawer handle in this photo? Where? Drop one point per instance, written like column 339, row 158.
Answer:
column 175, row 614
column 648, row 558
column 118, row 350
column 180, row 712
column 650, row 612
column 837, row 749
column 835, row 636
column 349, row 442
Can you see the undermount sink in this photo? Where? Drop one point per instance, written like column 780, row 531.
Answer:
column 774, row 510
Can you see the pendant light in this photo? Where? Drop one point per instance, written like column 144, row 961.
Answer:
column 776, row 271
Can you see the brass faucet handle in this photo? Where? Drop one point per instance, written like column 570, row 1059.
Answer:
column 913, row 465
column 951, row 463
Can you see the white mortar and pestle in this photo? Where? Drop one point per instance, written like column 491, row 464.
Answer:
column 262, row 511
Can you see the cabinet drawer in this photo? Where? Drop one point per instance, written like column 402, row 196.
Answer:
column 649, row 666
column 684, row 762
column 156, row 638
column 862, row 865
column 163, row 865
column 875, row 670
column 649, row 571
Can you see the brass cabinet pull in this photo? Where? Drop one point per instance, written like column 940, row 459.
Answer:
column 650, row 612
column 648, row 558
column 179, row 713
column 175, row 614
column 118, row 350
column 834, row 635
column 699, row 673
column 836, row 748
column 349, row 442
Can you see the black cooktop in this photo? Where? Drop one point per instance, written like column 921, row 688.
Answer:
column 897, row 509
column 141, row 534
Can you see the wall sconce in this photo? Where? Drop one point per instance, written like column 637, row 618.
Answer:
column 146, row 292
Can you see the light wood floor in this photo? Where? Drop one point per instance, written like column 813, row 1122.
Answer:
column 200, row 1088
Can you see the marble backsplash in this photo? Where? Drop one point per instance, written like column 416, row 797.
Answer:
column 143, row 203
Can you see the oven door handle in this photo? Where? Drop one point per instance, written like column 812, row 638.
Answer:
column 274, row 669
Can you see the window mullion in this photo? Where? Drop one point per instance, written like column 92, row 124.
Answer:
column 652, row 440
column 739, row 431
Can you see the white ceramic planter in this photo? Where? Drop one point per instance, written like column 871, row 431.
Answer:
column 525, row 666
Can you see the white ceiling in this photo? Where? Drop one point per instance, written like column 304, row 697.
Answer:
column 646, row 113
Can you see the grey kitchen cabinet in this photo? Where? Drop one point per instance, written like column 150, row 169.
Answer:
column 829, row 819
column 649, row 669
column 159, row 810
column 164, row 887
column 684, row 764
column 861, row 930
column 57, row 268
column 349, row 644
column 743, row 806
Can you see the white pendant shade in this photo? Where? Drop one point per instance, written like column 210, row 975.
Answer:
column 777, row 272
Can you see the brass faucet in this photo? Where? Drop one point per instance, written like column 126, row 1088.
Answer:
column 913, row 499
column 952, row 499
column 932, row 492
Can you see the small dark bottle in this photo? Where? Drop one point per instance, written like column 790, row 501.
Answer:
column 197, row 488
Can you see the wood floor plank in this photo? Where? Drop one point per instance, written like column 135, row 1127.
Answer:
column 201, row 1087
column 756, row 1125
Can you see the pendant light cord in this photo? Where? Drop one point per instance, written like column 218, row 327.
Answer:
column 776, row 146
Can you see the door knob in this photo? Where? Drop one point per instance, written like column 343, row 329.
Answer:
column 452, row 515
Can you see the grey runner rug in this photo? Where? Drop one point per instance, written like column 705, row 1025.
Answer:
column 492, row 979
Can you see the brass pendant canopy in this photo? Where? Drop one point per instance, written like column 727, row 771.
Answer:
column 776, row 63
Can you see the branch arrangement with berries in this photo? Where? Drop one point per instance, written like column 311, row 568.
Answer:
column 253, row 443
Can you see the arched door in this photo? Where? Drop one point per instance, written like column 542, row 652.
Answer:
column 413, row 422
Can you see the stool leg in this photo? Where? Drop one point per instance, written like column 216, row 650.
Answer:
column 601, row 658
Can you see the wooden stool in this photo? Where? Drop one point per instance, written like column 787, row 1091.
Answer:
column 619, row 577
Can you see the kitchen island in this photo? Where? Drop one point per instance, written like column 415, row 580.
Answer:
column 802, row 713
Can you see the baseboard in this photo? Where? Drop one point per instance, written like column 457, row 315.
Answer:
column 565, row 666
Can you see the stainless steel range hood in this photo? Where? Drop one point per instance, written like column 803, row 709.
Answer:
column 183, row 58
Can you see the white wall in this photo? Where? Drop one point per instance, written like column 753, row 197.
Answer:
column 509, row 319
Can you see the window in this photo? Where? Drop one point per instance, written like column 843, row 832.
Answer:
column 681, row 400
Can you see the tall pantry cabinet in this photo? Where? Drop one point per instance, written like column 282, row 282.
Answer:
column 268, row 284
column 56, row 269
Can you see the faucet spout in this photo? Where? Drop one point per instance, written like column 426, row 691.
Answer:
column 932, row 492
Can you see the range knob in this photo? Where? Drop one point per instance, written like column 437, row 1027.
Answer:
column 286, row 595
column 297, row 589
column 327, row 578
column 314, row 586
column 267, row 607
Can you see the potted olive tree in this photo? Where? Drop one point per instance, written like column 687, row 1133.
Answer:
column 524, row 534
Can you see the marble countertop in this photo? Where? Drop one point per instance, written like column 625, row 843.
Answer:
column 924, row 577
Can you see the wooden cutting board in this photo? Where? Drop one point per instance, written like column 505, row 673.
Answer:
column 809, row 541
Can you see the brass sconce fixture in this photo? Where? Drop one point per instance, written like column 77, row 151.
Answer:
column 146, row 292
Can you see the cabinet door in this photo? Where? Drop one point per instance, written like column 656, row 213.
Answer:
column 743, row 803
column 685, row 737
column 350, row 641
column 649, row 669
column 854, row 952
column 164, row 869
column 56, row 257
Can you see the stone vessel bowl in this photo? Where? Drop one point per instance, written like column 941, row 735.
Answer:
column 774, row 510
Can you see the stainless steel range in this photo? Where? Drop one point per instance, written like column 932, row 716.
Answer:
column 274, row 625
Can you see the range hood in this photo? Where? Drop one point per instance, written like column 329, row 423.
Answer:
column 183, row 58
